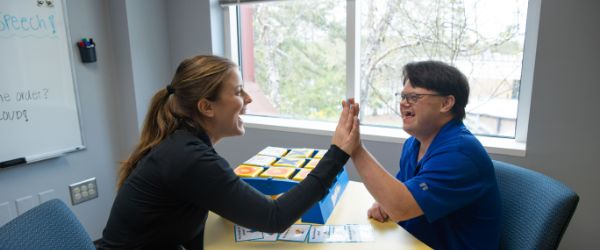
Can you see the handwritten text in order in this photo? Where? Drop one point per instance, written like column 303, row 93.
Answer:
column 25, row 95
column 4, row 97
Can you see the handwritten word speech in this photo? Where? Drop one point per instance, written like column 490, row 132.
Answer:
column 27, row 24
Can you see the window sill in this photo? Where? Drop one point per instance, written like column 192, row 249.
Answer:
column 493, row 145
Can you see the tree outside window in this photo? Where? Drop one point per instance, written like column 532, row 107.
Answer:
column 294, row 65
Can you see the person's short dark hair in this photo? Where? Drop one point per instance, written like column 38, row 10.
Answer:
column 441, row 78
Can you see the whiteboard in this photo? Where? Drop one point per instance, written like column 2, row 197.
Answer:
column 39, row 118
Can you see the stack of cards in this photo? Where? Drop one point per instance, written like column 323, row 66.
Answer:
column 301, row 175
column 263, row 164
column 312, row 163
column 320, row 153
column 248, row 171
column 274, row 151
column 300, row 153
column 289, row 162
column 260, row 160
column 278, row 172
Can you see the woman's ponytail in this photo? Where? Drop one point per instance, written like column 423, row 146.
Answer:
column 160, row 122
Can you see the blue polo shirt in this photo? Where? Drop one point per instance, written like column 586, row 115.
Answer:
column 455, row 186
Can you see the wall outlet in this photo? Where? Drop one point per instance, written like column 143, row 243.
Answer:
column 46, row 195
column 5, row 214
column 83, row 191
column 24, row 204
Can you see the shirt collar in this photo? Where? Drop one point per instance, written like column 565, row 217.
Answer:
column 197, row 132
column 203, row 136
column 448, row 129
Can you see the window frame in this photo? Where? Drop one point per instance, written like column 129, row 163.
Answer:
column 494, row 145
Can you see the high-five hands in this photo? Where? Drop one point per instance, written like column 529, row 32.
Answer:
column 347, row 132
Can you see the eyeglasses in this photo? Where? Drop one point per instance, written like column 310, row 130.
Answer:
column 412, row 98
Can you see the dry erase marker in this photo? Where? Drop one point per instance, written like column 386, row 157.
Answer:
column 9, row 163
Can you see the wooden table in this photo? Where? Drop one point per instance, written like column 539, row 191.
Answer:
column 351, row 209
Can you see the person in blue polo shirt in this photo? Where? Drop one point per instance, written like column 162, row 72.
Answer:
column 445, row 193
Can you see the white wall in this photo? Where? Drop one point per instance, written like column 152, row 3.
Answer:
column 149, row 46
column 191, row 26
column 124, row 96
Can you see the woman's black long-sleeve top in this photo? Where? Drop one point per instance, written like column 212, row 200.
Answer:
column 165, row 201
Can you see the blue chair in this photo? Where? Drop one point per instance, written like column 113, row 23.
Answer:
column 536, row 209
column 51, row 225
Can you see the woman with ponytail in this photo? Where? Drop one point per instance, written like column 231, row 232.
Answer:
column 174, row 176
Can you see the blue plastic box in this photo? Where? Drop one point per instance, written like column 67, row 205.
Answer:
column 320, row 212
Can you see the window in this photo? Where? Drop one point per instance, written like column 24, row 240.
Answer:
column 296, row 55
column 293, row 57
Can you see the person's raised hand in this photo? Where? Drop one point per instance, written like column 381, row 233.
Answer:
column 347, row 132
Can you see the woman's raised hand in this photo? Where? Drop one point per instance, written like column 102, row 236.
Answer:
column 347, row 132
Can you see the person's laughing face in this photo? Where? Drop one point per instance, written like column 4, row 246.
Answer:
column 230, row 105
column 421, row 110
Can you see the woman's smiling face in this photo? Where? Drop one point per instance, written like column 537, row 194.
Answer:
column 231, row 103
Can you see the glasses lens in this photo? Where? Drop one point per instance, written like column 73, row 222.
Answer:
column 412, row 98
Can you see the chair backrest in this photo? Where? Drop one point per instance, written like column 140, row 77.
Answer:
column 536, row 209
column 51, row 225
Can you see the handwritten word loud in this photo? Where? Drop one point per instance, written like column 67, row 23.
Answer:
column 14, row 115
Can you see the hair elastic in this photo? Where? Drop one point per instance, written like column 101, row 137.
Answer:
column 170, row 89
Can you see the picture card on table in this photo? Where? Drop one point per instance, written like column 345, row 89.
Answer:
column 246, row 234
column 296, row 233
